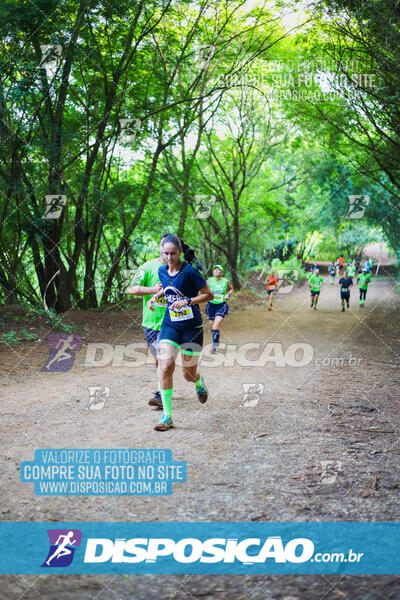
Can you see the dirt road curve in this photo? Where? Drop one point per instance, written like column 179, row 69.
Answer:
column 245, row 463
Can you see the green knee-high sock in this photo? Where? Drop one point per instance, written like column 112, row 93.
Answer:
column 199, row 383
column 166, row 397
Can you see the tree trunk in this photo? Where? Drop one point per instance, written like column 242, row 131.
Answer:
column 52, row 263
column 235, row 277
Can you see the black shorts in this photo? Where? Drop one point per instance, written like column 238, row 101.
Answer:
column 189, row 340
column 314, row 293
column 152, row 339
column 216, row 310
column 345, row 295
column 269, row 292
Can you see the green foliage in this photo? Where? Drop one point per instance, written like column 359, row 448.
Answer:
column 208, row 118
column 9, row 338
column 291, row 269
column 53, row 319
column 28, row 336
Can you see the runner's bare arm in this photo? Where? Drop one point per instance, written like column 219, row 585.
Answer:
column 205, row 295
column 230, row 290
column 142, row 290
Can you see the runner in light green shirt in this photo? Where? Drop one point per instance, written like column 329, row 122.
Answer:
column 315, row 281
column 351, row 270
column 218, row 288
column 363, row 280
column 218, row 308
column 146, row 283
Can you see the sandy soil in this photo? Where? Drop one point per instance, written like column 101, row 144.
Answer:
column 244, row 463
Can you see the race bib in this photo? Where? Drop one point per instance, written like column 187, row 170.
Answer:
column 181, row 314
column 161, row 303
column 218, row 298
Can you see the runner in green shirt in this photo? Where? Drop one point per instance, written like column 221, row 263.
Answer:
column 315, row 281
column 363, row 280
column 351, row 270
column 147, row 283
column 217, row 308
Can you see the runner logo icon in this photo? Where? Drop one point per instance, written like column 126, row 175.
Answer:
column 63, row 543
column 252, row 393
column 97, row 397
column 62, row 351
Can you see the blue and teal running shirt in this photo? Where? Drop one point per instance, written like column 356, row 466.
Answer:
column 186, row 283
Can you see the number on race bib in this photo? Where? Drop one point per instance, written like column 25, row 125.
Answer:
column 181, row 314
column 162, row 302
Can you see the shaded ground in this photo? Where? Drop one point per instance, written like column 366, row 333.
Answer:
column 244, row 463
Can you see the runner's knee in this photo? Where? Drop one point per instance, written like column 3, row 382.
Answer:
column 166, row 366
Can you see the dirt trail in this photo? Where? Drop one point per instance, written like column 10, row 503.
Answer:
column 245, row 463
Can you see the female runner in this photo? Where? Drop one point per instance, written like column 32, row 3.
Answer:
column 218, row 308
column 182, row 329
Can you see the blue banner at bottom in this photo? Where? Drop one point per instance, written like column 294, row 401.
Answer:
column 207, row 548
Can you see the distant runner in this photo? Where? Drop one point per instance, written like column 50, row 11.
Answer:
column 368, row 265
column 340, row 262
column 218, row 308
column 363, row 280
column 332, row 273
column 351, row 270
column 345, row 283
column 272, row 287
column 315, row 280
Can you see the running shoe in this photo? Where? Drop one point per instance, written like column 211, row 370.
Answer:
column 213, row 349
column 202, row 393
column 164, row 423
column 156, row 400
column 270, row 307
column 343, row 309
column 315, row 308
